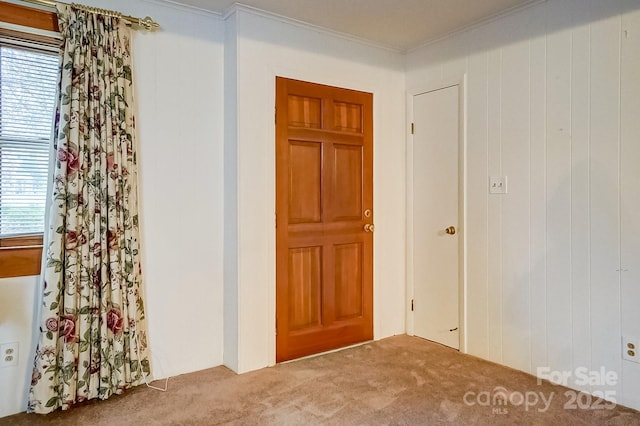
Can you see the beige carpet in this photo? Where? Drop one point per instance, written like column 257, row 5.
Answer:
column 400, row 381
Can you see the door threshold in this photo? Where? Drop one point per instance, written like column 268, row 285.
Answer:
column 355, row 345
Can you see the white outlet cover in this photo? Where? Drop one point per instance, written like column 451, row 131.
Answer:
column 9, row 354
column 497, row 185
column 631, row 349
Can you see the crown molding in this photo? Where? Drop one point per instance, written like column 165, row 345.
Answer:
column 176, row 5
column 240, row 7
column 477, row 24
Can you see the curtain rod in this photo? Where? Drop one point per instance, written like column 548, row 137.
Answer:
column 147, row 23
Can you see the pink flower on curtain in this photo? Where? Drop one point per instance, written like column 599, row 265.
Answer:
column 52, row 324
column 63, row 155
column 70, row 157
column 68, row 328
column 73, row 162
column 114, row 320
column 70, row 240
column 35, row 377
column 112, row 239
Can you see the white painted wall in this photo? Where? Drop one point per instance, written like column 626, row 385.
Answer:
column 179, row 92
column 553, row 103
column 17, row 303
column 266, row 48
column 180, row 87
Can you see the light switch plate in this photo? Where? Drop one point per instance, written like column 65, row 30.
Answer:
column 497, row 185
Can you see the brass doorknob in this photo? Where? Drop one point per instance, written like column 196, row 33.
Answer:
column 451, row 230
column 369, row 227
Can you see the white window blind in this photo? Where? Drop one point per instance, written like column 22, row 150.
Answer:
column 28, row 84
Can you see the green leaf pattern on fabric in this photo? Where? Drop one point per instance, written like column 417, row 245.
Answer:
column 92, row 341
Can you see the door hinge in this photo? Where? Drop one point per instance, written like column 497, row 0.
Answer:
column 276, row 214
column 413, row 129
column 412, row 305
column 276, row 326
column 275, row 115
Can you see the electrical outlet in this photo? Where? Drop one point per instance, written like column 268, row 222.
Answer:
column 630, row 349
column 9, row 354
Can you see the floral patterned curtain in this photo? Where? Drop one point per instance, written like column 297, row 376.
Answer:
column 92, row 341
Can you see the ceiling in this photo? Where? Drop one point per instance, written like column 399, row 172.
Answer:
column 398, row 24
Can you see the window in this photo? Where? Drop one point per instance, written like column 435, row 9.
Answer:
column 28, row 84
column 28, row 81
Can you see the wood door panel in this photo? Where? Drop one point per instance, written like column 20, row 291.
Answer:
column 348, row 280
column 304, row 111
column 324, row 183
column 346, row 182
column 347, row 117
column 305, row 181
column 305, row 281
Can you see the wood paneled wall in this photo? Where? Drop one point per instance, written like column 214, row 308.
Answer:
column 553, row 102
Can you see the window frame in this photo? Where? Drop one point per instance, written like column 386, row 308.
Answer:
column 22, row 255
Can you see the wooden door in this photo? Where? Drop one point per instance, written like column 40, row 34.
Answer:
column 436, row 194
column 324, row 202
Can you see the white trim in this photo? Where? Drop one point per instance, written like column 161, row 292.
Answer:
column 185, row 8
column 462, row 171
column 31, row 5
column 461, row 82
column 476, row 24
column 465, row 244
column 409, row 212
column 317, row 28
column 31, row 30
column 228, row 14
